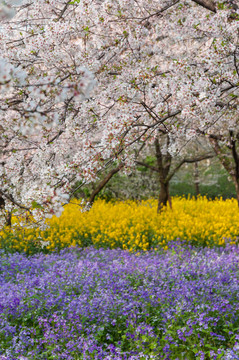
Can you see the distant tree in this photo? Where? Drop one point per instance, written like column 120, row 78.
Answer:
column 226, row 146
column 196, row 179
column 166, row 166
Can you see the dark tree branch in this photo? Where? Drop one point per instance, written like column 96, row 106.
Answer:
column 207, row 4
column 103, row 182
column 219, row 152
column 157, row 119
column 153, row 168
column 55, row 137
column 159, row 12
column 189, row 161
column 235, row 62
column 10, row 198
column 63, row 10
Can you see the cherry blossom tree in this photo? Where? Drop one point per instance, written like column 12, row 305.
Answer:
column 92, row 82
column 226, row 147
column 166, row 166
column 43, row 81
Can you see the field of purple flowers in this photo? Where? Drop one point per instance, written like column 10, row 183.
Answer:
column 113, row 304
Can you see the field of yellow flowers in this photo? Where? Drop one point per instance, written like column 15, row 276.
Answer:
column 132, row 225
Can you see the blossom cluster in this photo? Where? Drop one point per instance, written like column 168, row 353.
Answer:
column 159, row 68
column 41, row 74
column 116, row 305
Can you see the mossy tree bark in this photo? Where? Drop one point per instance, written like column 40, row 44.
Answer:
column 228, row 154
column 164, row 162
column 103, row 182
column 166, row 169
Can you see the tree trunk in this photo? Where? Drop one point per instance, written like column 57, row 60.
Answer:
column 232, row 167
column 196, row 179
column 8, row 215
column 236, row 182
column 9, row 219
column 2, row 202
column 164, row 196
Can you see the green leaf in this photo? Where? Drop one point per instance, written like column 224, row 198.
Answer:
column 36, row 205
column 86, row 29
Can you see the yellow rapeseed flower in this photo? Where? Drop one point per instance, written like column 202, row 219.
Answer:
column 133, row 225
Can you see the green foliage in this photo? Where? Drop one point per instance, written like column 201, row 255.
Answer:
column 143, row 183
column 220, row 6
column 149, row 160
column 35, row 205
